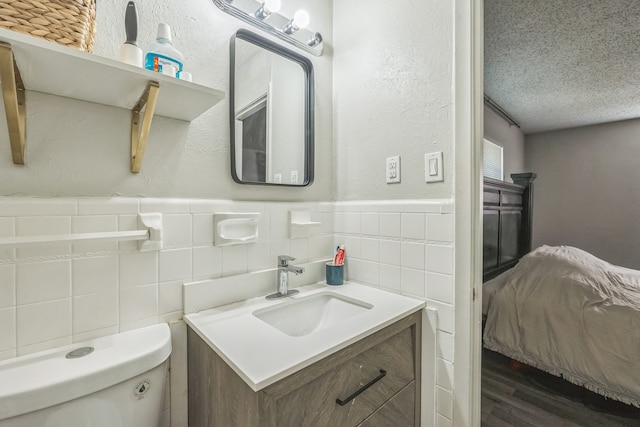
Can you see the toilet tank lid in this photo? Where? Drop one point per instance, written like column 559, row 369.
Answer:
column 39, row 380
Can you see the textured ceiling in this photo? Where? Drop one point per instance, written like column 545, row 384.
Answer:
column 565, row 63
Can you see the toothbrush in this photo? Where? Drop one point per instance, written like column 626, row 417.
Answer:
column 340, row 256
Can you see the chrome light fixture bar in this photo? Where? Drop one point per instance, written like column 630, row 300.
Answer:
column 264, row 15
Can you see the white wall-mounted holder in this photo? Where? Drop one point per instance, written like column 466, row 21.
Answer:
column 235, row 228
column 153, row 223
column 300, row 224
column 149, row 239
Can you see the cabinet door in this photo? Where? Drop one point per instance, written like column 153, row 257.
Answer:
column 314, row 404
column 398, row 412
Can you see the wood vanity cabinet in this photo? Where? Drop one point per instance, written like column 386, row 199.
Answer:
column 219, row 397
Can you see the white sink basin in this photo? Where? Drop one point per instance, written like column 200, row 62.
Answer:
column 303, row 316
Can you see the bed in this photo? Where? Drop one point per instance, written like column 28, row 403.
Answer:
column 560, row 309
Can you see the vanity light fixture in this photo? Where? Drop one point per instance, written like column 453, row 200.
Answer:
column 315, row 40
column 264, row 15
column 300, row 20
column 267, row 8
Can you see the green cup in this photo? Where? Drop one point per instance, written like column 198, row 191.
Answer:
column 335, row 274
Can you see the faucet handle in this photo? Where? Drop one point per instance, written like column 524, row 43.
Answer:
column 283, row 260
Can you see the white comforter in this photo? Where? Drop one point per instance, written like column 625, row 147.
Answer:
column 571, row 314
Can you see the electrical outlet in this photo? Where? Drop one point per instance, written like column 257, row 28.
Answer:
column 433, row 167
column 277, row 178
column 294, row 177
column 393, row 170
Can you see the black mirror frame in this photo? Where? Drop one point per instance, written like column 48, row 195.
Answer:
column 309, row 112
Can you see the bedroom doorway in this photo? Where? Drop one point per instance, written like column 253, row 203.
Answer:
column 564, row 404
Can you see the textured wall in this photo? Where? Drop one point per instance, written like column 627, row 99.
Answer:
column 586, row 193
column 511, row 138
column 82, row 149
column 393, row 96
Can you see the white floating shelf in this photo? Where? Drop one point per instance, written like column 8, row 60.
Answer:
column 63, row 71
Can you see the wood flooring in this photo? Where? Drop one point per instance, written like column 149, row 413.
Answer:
column 532, row 398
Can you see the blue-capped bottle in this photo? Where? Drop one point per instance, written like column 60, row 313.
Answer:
column 162, row 54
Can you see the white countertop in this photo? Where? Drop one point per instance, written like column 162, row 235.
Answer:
column 261, row 355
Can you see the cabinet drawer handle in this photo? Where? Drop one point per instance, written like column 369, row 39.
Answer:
column 363, row 388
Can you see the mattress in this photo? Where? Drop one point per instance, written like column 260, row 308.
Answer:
column 490, row 287
column 562, row 310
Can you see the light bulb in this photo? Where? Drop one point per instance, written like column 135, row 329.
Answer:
column 301, row 19
column 272, row 5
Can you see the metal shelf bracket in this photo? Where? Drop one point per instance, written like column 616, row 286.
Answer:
column 13, row 93
column 141, row 123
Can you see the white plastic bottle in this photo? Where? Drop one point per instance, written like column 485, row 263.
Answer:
column 162, row 54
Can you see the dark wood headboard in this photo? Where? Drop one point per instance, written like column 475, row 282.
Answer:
column 507, row 219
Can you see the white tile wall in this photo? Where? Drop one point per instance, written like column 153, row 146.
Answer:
column 177, row 230
column 59, row 293
column 8, row 337
column 202, row 229
column 390, row 224
column 51, row 296
column 412, row 282
column 258, row 254
column 370, row 223
column 169, row 297
column 407, row 247
column 137, row 269
column 235, row 260
column 389, row 252
column 43, row 225
column 7, row 229
column 412, row 255
column 440, row 287
column 43, row 321
column 94, row 223
column 94, row 311
column 138, row 303
column 175, row 264
column 445, row 402
column 207, row 262
column 412, row 225
column 92, row 275
column 7, row 286
column 43, row 281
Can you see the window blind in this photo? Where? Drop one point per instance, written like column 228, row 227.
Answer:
column 492, row 161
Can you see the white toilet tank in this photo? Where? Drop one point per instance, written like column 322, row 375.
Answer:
column 120, row 383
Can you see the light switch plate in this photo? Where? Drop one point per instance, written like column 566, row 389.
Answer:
column 433, row 167
column 393, row 170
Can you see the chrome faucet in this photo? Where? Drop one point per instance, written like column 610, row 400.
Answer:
column 282, row 286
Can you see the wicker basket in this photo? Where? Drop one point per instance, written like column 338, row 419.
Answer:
column 67, row 22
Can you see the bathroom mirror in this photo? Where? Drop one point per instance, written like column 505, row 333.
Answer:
column 271, row 113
